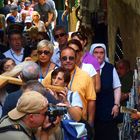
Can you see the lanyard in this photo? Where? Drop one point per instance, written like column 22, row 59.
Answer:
column 15, row 57
column 72, row 79
column 41, row 74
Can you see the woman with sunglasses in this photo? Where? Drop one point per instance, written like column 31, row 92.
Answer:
column 45, row 50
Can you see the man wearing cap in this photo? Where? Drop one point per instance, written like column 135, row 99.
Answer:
column 23, row 121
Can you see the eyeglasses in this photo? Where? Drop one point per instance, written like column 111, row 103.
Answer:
column 65, row 58
column 45, row 52
column 59, row 35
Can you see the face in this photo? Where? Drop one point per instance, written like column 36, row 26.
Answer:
column 9, row 65
column 78, row 52
column 37, row 120
column 41, row 1
column 15, row 41
column 35, row 17
column 34, row 55
column 68, row 59
column 81, row 41
column 23, row 16
column 61, row 37
column 121, row 69
column 99, row 53
column 28, row 25
column 58, row 80
column 14, row 13
column 22, row 5
column 44, row 55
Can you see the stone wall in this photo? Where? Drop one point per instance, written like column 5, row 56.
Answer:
column 125, row 15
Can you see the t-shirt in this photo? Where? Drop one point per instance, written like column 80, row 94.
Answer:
column 89, row 69
column 75, row 101
column 89, row 59
column 44, row 10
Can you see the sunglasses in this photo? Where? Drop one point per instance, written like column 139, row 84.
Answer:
column 65, row 58
column 45, row 52
column 60, row 35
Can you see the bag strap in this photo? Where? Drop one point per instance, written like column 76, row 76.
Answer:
column 70, row 98
column 15, row 127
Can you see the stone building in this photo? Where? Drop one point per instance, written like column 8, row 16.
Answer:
column 125, row 16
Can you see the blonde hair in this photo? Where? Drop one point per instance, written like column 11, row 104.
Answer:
column 45, row 43
column 35, row 13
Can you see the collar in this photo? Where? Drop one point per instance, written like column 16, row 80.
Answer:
column 58, row 51
column 76, row 68
column 21, row 52
column 102, row 65
column 28, row 130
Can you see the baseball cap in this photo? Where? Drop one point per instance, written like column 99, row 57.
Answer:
column 28, row 19
column 13, row 8
column 30, row 102
column 11, row 19
column 27, row 3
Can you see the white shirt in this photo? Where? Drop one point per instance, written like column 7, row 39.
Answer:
column 56, row 57
column 76, row 101
column 116, row 81
column 89, row 69
column 17, row 58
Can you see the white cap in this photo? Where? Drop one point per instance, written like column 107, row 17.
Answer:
column 28, row 19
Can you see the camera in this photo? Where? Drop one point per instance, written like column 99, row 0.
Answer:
column 54, row 111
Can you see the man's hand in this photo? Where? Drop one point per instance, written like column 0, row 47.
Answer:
column 115, row 111
column 47, row 128
column 47, row 125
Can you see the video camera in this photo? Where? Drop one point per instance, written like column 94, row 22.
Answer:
column 54, row 111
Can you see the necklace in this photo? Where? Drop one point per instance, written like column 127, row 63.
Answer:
column 47, row 69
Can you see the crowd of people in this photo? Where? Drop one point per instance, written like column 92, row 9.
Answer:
column 60, row 71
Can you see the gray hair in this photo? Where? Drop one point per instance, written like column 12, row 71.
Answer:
column 30, row 71
column 47, row 44
column 34, row 85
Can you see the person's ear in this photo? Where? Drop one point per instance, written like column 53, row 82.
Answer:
column 31, row 118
